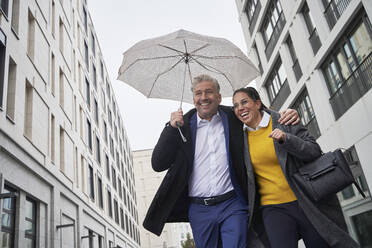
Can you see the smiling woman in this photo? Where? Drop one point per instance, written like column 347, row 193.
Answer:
column 273, row 153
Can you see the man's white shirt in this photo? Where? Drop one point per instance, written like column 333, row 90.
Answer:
column 210, row 175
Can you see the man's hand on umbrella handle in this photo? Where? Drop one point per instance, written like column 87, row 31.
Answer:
column 176, row 119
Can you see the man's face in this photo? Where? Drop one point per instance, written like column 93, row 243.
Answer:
column 206, row 99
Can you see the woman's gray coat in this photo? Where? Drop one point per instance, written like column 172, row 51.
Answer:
column 326, row 215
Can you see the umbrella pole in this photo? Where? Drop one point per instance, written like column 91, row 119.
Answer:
column 183, row 89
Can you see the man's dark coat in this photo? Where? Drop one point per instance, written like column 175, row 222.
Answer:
column 171, row 201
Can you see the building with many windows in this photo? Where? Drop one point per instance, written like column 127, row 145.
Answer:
column 66, row 170
column 148, row 182
column 316, row 56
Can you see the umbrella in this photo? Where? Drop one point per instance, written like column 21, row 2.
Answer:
column 163, row 67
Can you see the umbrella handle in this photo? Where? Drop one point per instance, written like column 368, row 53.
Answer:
column 179, row 130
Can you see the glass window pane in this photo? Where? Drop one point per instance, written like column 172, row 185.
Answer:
column 7, row 240
column 361, row 42
column 282, row 74
column 343, row 65
column 29, row 209
column 29, row 228
column 29, row 243
column 6, row 220
column 268, row 31
column 348, row 192
column 363, row 226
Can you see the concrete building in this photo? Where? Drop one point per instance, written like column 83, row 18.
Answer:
column 64, row 151
column 148, row 182
column 315, row 56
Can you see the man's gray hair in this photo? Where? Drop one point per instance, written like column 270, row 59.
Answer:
column 203, row 78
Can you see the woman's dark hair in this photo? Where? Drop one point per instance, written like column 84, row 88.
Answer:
column 251, row 93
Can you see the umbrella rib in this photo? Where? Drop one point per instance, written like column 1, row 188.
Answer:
column 162, row 73
column 200, row 48
column 205, row 66
column 219, row 57
column 153, row 58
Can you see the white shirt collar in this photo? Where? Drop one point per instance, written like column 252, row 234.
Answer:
column 200, row 120
column 263, row 123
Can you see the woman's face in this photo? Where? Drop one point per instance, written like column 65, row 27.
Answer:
column 247, row 110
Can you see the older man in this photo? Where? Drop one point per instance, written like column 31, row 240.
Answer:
column 206, row 181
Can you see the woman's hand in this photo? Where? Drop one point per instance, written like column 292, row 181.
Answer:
column 278, row 135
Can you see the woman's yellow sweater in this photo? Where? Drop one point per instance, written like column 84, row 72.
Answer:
column 273, row 186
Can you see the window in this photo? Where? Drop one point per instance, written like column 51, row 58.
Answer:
column 87, row 92
column 116, row 209
column 119, row 186
column 90, row 236
column 272, row 27
column 296, row 66
column 85, row 19
column 103, row 99
column 277, row 86
column 89, row 135
column 61, row 40
column 258, row 57
column 11, row 93
column 4, row 4
column 100, row 194
column 105, row 131
column 108, row 91
column 102, row 71
column 93, row 43
column 96, row 111
column 348, row 69
column 62, row 148
column 305, row 110
column 126, row 224
column 107, row 167
column 352, row 158
column 363, row 224
column 109, row 203
column 98, row 150
column 314, row 37
column 91, row 182
column 113, row 177
column 30, row 223
column 31, row 36
column 61, row 88
column 252, row 10
column 86, row 53
column 8, row 219
column 15, row 16
column 122, row 218
column 52, row 138
column 53, row 75
column 94, row 71
column 28, row 110
column 112, row 146
column 334, row 9
column 110, row 118
column 2, row 64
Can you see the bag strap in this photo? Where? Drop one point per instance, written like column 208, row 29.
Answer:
column 359, row 189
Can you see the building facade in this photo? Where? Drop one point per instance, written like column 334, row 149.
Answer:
column 316, row 56
column 148, row 181
column 66, row 170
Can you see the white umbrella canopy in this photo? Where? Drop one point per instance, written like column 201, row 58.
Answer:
column 163, row 67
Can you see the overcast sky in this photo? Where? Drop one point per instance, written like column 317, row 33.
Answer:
column 119, row 24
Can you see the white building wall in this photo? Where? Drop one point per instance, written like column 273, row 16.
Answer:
column 60, row 185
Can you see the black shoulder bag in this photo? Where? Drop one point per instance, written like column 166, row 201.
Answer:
column 326, row 175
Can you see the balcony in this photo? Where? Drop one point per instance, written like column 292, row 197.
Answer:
column 334, row 10
column 275, row 36
column 252, row 22
column 358, row 83
column 297, row 70
column 280, row 98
